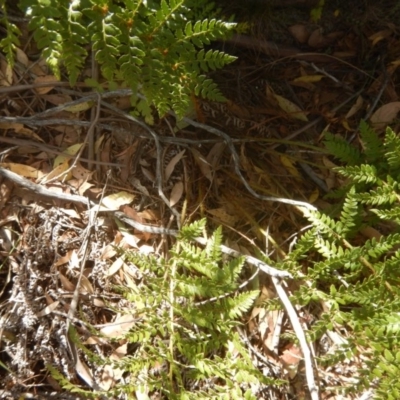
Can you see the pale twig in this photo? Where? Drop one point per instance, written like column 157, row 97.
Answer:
column 294, row 319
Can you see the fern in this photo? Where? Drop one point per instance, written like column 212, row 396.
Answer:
column 359, row 279
column 9, row 43
column 153, row 47
column 188, row 340
column 341, row 149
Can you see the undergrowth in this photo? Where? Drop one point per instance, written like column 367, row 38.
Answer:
column 355, row 278
column 187, row 344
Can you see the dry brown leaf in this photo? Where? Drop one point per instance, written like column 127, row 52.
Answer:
column 21, row 57
column 116, row 200
column 380, row 35
column 48, row 309
column 115, row 266
column 291, row 358
column 171, row 165
column 289, row 166
column 215, row 154
column 355, row 107
column 203, row 164
column 238, row 110
column 299, row 32
column 85, row 286
column 21, row 129
column 57, row 99
column 148, row 174
column 385, row 115
column 129, row 241
column 23, row 170
column 308, row 78
column 67, row 285
column 58, row 171
column 176, row 193
column 45, row 79
column 6, row 73
column 108, row 252
column 292, row 110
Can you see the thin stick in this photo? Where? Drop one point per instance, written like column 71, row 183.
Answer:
column 312, row 387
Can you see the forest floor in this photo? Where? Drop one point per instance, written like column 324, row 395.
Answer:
column 295, row 79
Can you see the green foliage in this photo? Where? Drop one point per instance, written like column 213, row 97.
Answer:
column 10, row 41
column 154, row 47
column 358, row 280
column 185, row 342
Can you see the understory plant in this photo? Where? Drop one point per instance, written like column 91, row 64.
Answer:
column 186, row 341
column 155, row 47
column 350, row 260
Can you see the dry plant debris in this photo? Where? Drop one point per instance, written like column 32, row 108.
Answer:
column 74, row 142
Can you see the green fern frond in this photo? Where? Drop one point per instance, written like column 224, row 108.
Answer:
column 9, row 43
column 392, row 150
column 153, row 47
column 381, row 195
column 363, row 173
column 372, row 144
column 350, row 217
column 341, row 149
column 392, row 214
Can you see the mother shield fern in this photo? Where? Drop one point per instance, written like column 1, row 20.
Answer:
column 355, row 278
column 157, row 48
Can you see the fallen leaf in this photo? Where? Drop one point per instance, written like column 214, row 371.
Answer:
column 299, row 32
column 308, row 78
column 293, row 110
column 48, row 310
column 355, row 107
column 378, row 36
column 23, row 170
column 215, row 154
column 176, row 193
column 5, row 73
column 58, row 171
column 203, row 164
column 21, row 57
column 115, row 266
column 119, row 327
column 45, row 79
column 171, row 165
column 116, row 200
column 289, row 166
column 385, row 115
column 291, row 358
column 67, row 285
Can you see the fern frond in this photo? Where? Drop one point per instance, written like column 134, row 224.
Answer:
column 350, row 217
column 372, row 144
column 363, row 173
column 9, row 43
column 392, row 149
column 341, row 149
column 381, row 195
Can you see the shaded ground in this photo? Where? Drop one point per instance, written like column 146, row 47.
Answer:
column 293, row 79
